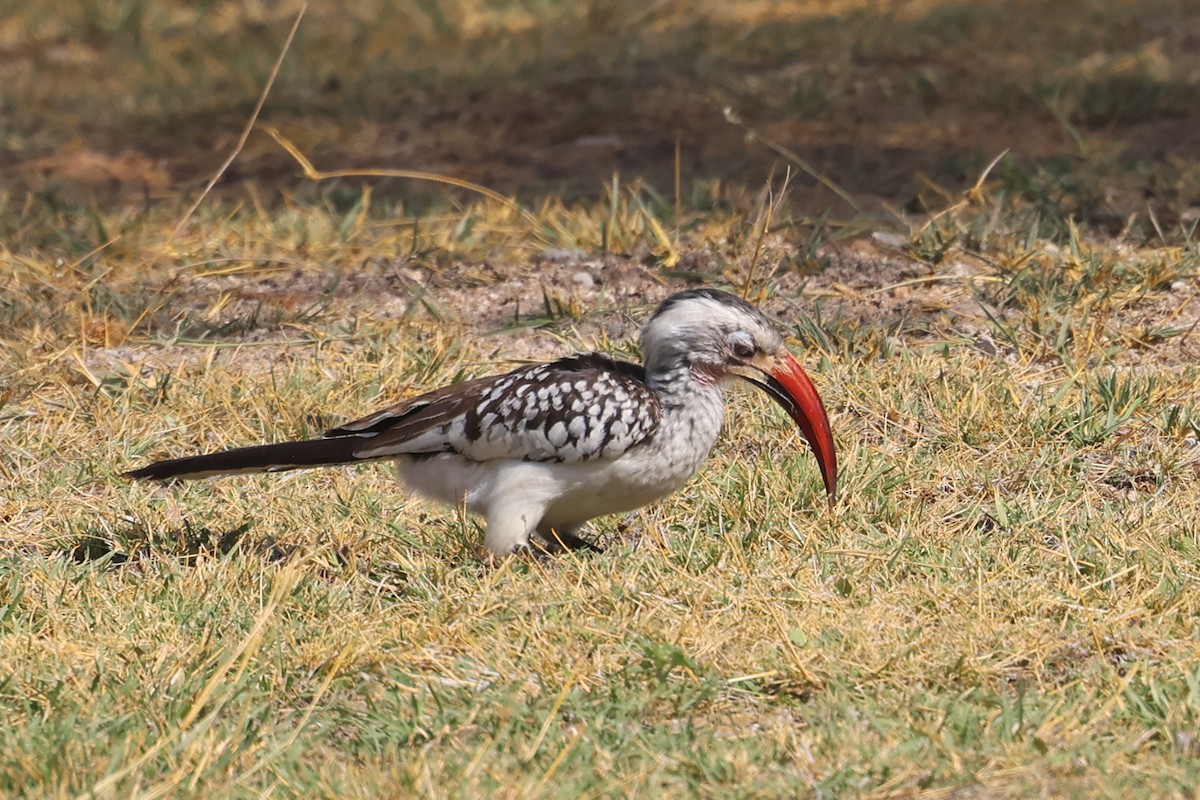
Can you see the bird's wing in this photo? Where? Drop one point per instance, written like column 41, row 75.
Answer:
column 574, row 409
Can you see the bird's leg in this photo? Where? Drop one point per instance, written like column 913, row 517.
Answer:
column 564, row 538
column 573, row 542
column 509, row 526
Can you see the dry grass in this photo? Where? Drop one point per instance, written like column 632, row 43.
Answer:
column 1002, row 605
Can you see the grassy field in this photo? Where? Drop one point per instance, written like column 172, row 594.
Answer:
column 977, row 221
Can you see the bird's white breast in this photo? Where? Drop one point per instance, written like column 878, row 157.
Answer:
column 572, row 493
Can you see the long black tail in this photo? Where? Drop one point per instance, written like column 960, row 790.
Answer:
column 260, row 458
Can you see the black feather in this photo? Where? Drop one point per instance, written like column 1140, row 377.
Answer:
column 260, row 458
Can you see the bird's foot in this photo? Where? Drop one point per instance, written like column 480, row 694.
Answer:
column 542, row 545
column 554, row 541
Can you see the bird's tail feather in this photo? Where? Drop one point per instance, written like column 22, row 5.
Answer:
column 260, row 458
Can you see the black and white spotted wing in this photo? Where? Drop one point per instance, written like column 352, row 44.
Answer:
column 574, row 409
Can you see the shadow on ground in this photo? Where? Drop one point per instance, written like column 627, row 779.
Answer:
column 894, row 102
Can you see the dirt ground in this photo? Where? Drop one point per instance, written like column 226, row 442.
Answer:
column 882, row 112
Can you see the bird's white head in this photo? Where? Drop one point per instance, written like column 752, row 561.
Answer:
column 708, row 332
column 712, row 337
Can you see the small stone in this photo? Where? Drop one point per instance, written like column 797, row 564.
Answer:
column 888, row 239
column 583, row 280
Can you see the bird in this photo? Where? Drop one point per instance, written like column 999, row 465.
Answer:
column 542, row 449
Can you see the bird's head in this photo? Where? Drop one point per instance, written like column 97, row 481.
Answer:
column 718, row 337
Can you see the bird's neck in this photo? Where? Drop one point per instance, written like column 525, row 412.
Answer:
column 678, row 379
column 692, row 401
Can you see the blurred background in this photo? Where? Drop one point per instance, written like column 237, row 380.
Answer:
column 901, row 105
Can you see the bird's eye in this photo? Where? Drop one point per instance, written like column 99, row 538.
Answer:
column 741, row 344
